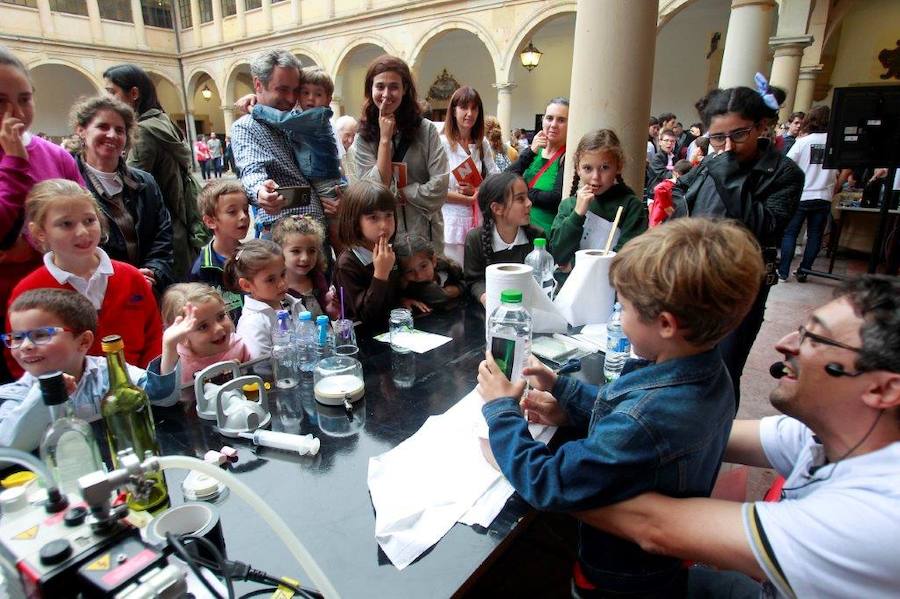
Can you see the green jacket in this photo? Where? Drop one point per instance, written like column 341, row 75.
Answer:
column 159, row 148
column 568, row 226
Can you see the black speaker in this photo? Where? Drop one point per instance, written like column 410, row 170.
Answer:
column 864, row 129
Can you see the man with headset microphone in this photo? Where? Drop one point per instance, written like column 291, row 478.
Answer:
column 835, row 529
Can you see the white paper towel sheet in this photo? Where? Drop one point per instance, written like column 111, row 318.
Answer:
column 545, row 315
column 437, row 477
column 587, row 297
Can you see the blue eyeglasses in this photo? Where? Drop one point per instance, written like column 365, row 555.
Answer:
column 40, row 336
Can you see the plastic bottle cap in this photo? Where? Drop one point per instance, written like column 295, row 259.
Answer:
column 250, row 388
column 540, row 242
column 511, row 296
column 53, row 388
column 17, row 479
column 321, row 319
column 305, row 315
column 112, row 343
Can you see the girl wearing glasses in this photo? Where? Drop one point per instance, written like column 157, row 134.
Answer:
column 744, row 178
column 66, row 221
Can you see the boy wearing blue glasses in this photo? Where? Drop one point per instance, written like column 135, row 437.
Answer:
column 53, row 329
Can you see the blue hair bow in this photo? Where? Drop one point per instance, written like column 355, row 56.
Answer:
column 762, row 87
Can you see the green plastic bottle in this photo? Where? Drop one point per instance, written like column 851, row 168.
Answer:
column 129, row 423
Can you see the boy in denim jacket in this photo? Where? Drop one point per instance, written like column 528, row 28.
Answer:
column 662, row 425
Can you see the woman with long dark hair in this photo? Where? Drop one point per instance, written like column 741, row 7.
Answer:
column 463, row 138
column 159, row 148
column 398, row 147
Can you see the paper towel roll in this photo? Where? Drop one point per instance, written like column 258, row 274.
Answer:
column 546, row 317
column 587, row 297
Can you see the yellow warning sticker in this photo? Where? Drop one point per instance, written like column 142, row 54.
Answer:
column 28, row 534
column 101, row 564
column 284, row 592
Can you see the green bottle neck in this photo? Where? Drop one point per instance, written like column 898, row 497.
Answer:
column 118, row 371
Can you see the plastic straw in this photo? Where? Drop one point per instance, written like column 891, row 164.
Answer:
column 612, row 231
column 342, row 303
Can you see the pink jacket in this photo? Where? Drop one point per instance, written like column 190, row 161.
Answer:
column 191, row 363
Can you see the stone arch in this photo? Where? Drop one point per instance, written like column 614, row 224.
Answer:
column 208, row 113
column 347, row 89
column 58, row 84
column 427, row 39
column 366, row 40
column 94, row 80
column 231, row 78
column 668, row 9
column 158, row 77
column 304, row 51
column 534, row 22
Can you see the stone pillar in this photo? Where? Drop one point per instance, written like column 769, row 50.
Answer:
column 267, row 15
column 504, row 106
column 137, row 15
column 330, row 9
column 625, row 32
column 241, row 14
column 228, row 115
column 195, row 23
column 46, row 17
column 806, row 85
column 296, row 13
column 218, row 29
column 94, row 15
column 335, row 106
column 746, row 52
column 786, row 68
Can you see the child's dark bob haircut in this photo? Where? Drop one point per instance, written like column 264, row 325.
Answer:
column 361, row 198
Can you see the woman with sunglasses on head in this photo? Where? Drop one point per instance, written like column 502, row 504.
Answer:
column 744, row 178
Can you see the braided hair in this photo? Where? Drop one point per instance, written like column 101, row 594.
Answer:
column 495, row 189
column 598, row 140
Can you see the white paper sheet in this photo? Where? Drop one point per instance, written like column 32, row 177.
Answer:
column 415, row 340
column 587, row 297
column 596, row 232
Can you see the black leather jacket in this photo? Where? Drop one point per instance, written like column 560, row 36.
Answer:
column 143, row 200
column 763, row 196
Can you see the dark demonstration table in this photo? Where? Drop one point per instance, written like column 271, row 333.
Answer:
column 325, row 498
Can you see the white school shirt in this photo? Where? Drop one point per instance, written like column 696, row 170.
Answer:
column 809, row 154
column 94, row 288
column 834, row 534
column 259, row 318
column 458, row 218
column 499, row 245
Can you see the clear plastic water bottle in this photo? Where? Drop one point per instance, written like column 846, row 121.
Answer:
column 283, row 355
column 509, row 334
column 324, row 337
column 618, row 347
column 541, row 261
column 305, row 342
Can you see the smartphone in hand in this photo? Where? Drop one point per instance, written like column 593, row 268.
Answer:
column 296, row 196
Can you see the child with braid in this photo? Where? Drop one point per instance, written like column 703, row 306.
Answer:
column 597, row 192
column 506, row 234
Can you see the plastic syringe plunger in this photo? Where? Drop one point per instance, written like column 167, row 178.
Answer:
column 302, row 444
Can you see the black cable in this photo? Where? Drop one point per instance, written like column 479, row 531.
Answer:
column 220, row 561
column 259, row 576
column 187, row 559
column 258, row 592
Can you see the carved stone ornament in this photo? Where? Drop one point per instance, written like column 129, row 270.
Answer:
column 890, row 60
column 443, row 87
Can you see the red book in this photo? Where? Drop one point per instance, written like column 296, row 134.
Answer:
column 467, row 173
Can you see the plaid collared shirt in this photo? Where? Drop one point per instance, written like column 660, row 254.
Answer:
column 262, row 152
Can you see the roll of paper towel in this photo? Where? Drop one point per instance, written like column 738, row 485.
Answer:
column 544, row 314
column 587, row 297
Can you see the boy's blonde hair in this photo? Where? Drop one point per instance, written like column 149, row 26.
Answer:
column 53, row 191
column 317, row 76
column 301, row 224
column 705, row 272
column 179, row 295
column 208, row 198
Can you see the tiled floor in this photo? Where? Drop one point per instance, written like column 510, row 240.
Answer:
column 787, row 308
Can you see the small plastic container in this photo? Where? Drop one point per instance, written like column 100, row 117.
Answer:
column 338, row 380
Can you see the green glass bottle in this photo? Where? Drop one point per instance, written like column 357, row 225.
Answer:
column 129, row 422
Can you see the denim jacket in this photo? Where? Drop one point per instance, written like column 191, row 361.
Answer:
column 312, row 138
column 659, row 427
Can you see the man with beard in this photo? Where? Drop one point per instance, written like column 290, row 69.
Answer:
column 838, row 446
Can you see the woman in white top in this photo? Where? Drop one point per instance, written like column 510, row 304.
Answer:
column 463, row 137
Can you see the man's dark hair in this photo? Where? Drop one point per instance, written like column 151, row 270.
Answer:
column 127, row 76
column 653, row 121
column 666, row 116
column 876, row 299
column 73, row 309
column 796, row 115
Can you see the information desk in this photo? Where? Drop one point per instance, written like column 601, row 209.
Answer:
column 325, row 498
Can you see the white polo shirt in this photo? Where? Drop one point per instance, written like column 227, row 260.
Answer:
column 835, row 533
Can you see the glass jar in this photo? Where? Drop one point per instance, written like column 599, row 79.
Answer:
column 401, row 323
column 338, row 380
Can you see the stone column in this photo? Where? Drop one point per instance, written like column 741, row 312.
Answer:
column 218, row 29
column 806, row 85
column 504, row 106
column 335, row 106
column 195, row 23
column 330, row 9
column 241, row 14
column 296, row 13
column 46, row 17
column 746, row 52
column 137, row 15
column 786, row 67
column 267, row 14
column 625, row 33
column 94, row 15
column 228, row 115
